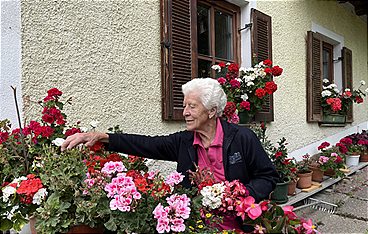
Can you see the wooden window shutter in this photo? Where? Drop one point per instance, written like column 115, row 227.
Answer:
column 176, row 55
column 261, row 50
column 314, row 77
column 347, row 77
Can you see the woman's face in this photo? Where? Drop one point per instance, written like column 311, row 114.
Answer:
column 195, row 114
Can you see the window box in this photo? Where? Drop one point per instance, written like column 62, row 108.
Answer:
column 333, row 120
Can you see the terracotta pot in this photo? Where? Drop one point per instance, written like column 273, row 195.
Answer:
column 363, row 157
column 85, row 229
column 330, row 172
column 292, row 188
column 305, row 180
column 317, row 174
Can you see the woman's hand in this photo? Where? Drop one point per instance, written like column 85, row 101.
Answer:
column 88, row 139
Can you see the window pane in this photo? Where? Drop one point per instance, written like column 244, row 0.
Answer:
column 224, row 36
column 326, row 64
column 204, row 68
column 203, row 30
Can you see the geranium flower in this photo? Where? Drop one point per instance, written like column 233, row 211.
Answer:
column 174, row 178
column 260, row 93
column 323, row 145
column 277, row 71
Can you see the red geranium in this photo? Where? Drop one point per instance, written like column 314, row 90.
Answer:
column 260, row 93
column 54, row 92
column 230, row 109
column 276, row 71
column 270, row 87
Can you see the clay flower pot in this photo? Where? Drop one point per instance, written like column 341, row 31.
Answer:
column 317, row 174
column 305, row 180
column 363, row 156
column 292, row 187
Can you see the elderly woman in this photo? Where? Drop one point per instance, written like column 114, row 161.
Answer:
column 231, row 152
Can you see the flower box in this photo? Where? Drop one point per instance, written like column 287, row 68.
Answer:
column 333, row 119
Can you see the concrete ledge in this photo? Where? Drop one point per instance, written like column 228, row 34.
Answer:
column 328, row 181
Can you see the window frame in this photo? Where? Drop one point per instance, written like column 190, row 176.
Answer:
column 228, row 8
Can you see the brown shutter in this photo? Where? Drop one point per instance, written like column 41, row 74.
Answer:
column 175, row 55
column 314, row 78
column 347, row 77
column 261, row 50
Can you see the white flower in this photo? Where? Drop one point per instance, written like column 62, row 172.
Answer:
column 10, row 214
column 216, row 67
column 18, row 180
column 7, row 192
column 241, row 69
column 58, row 141
column 94, row 123
column 336, row 90
column 332, row 86
column 227, row 64
column 247, row 78
column 238, row 79
column 250, row 83
column 347, row 90
column 326, row 93
column 212, row 195
column 39, row 196
column 244, row 97
column 362, row 82
column 326, row 81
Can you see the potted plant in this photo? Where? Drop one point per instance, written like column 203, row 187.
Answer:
column 361, row 139
column 330, row 160
column 285, row 169
column 335, row 104
column 304, row 173
column 246, row 89
column 352, row 151
column 21, row 151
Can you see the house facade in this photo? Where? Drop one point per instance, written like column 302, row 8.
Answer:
column 123, row 62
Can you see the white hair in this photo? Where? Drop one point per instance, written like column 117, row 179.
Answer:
column 210, row 93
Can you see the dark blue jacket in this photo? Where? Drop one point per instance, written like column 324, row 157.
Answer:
column 243, row 155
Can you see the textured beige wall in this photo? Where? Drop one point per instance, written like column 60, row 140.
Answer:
column 103, row 54
column 290, row 22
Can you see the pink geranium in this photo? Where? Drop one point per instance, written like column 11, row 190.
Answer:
column 174, row 178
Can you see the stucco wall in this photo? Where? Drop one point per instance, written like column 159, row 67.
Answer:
column 290, row 22
column 103, row 54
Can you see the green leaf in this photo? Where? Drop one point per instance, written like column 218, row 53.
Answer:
column 111, row 225
column 5, row 224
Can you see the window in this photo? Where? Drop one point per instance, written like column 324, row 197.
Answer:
column 322, row 61
column 217, row 36
column 327, row 61
column 195, row 34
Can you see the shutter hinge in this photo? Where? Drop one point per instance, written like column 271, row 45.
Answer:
column 245, row 27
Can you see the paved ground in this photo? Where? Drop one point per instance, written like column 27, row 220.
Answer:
column 351, row 197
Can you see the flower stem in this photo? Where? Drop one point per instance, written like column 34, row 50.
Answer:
column 20, row 128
